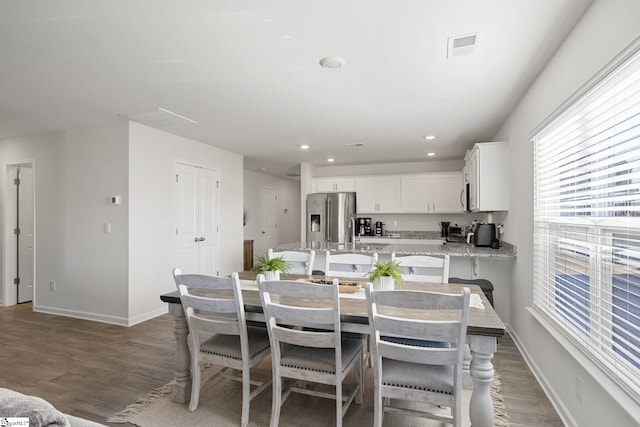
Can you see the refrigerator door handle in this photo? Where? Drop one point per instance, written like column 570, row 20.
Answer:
column 328, row 219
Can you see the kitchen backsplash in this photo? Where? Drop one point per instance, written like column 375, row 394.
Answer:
column 406, row 223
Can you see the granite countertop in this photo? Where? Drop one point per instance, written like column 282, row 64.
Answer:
column 452, row 249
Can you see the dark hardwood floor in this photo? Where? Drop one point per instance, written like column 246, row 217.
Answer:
column 93, row 370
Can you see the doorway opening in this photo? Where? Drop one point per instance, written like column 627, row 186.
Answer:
column 19, row 234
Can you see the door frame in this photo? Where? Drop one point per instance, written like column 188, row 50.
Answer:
column 10, row 298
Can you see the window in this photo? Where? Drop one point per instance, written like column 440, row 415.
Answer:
column 587, row 223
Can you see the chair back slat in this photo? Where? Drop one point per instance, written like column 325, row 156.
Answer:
column 299, row 262
column 353, row 265
column 424, row 268
column 305, row 338
column 421, row 300
column 422, row 355
column 431, row 330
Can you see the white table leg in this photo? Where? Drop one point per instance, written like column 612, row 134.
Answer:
column 481, row 405
column 467, row 384
column 182, row 383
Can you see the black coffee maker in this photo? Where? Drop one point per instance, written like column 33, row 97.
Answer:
column 379, row 228
column 364, row 227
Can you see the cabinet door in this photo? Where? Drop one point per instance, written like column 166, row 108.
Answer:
column 389, row 194
column 366, row 195
column 345, row 184
column 324, row 185
column 447, row 193
column 415, row 194
column 333, row 184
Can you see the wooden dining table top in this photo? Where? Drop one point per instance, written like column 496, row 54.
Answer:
column 353, row 307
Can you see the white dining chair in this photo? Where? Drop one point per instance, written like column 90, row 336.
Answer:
column 424, row 268
column 352, row 265
column 303, row 320
column 299, row 262
column 218, row 333
column 407, row 365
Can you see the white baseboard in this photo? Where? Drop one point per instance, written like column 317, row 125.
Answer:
column 114, row 320
column 553, row 397
column 149, row 315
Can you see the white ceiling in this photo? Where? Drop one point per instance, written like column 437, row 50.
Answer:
column 248, row 71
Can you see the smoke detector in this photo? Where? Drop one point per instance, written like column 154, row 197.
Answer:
column 462, row 45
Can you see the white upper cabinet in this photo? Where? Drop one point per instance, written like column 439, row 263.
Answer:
column 378, row 194
column 432, row 193
column 334, row 184
column 487, row 166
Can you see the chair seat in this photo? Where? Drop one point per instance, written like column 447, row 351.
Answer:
column 433, row 378
column 229, row 345
column 319, row 359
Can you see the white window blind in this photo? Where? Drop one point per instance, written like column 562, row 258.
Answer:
column 587, row 223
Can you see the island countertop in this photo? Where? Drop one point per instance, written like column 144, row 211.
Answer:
column 452, row 249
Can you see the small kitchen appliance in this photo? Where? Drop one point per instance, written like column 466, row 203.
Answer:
column 379, row 228
column 485, row 235
column 363, row 227
column 456, row 234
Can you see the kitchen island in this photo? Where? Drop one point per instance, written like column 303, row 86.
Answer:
column 467, row 261
column 452, row 249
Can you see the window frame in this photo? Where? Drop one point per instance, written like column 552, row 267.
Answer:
column 596, row 341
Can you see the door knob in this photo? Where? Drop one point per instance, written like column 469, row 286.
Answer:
column 202, row 239
column 196, row 240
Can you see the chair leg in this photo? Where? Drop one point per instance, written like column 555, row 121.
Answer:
column 276, row 401
column 377, row 408
column 360, row 377
column 195, row 383
column 246, row 396
column 339, row 404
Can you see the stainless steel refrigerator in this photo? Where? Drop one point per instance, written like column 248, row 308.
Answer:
column 330, row 217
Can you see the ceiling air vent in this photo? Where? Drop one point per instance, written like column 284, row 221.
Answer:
column 462, row 45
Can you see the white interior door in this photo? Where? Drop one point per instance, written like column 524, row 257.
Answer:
column 197, row 229
column 207, row 222
column 187, row 227
column 25, row 237
column 269, row 220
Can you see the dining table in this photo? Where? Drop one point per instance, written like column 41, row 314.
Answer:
column 484, row 327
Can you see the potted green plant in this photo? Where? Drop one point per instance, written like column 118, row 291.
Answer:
column 385, row 275
column 270, row 268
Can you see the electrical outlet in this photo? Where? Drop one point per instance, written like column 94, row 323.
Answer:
column 52, row 285
column 579, row 389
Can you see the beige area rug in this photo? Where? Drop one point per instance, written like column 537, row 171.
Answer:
column 221, row 405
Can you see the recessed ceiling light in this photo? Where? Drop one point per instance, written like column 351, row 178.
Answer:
column 331, row 159
column 429, row 137
column 303, row 147
column 431, row 154
column 332, row 62
column 263, row 169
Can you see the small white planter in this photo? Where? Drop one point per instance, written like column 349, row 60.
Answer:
column 384, row 283
column 271, row 275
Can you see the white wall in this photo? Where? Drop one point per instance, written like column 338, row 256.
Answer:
column 288, row 199
column 152, row 240
column 76, row 172
column 606, row 28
